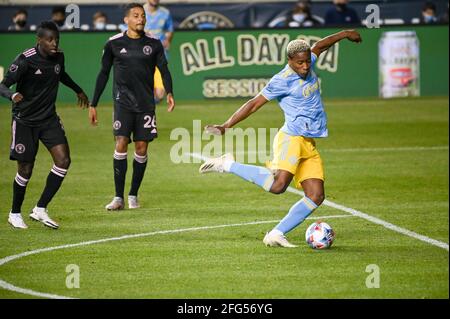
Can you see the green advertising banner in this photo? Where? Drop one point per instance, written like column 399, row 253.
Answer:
column 238, row 63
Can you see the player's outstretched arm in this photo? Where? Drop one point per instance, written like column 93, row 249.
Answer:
column 325, row 43
column 83, row 100
column 249, row 107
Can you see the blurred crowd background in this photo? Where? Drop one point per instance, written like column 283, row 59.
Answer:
column 100, row 15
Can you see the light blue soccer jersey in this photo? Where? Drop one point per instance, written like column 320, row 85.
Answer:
column 159, row 22
column 300, row 101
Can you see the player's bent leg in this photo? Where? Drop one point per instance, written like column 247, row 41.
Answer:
column 61, row 159
column 314, row 190
column 258, row 175
column 281, row 182
column 139, row 166
column 314, row 196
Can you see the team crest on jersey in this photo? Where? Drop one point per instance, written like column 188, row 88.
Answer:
column 20, row 148
column 147, row 50
column 57, row 69
column 117, row 125
column 13, row 68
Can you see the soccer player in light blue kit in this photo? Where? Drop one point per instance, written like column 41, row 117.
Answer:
column 296, row 88
column 159, row 24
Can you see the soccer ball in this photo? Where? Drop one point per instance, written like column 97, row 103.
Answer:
column 319, row 235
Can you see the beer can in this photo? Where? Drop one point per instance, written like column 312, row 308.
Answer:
column 399, row 69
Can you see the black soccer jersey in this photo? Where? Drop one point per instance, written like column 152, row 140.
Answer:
column 134, row 63
column 37, row 79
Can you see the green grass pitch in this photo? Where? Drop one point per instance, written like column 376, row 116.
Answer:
column 386, row 158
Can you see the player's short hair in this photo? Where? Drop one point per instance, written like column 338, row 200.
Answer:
column 130, row 6
column 296, row 46
column 46, row 25
column 429, row 6
column 59, row 9
column 21, row 11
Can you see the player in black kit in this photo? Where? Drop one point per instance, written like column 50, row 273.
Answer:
column 37, row 72
column 134, row 55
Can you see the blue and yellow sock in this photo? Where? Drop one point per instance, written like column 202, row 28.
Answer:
column 258, row 175
column 297, row 214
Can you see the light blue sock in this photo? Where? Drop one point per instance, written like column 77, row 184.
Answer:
column 297, row 214
column 258, row 175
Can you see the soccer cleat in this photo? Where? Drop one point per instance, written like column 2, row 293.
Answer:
column 16, row 221
column 41, row 215
column 216, row 164
column 133, row 202
column 116, row 204
column 274, row 239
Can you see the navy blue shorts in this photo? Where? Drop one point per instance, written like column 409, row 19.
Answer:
column 141, row 125
column 25, row 139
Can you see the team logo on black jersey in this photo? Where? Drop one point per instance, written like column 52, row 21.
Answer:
column 13, row 68
column 147, row 50
column 117, row 125
column 20, row 148
column 57, row 69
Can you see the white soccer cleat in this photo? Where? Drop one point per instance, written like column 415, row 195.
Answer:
column 16, row 221
column 133, row 202
column 220, row 164
column 275, row 239
column 116, row 204
column 41, row 215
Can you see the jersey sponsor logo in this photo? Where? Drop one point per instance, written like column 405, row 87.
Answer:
column 57, row 69
column 123, row 51
column 38, row 71
column 20, row 148
column 147, row 50
column 13, row 68
column 117, row 125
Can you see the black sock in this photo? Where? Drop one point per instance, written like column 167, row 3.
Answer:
column 54, row 181
column 139, row 165
column 19, row 188
column 120, row 172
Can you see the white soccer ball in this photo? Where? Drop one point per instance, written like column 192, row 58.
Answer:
column 320, row 235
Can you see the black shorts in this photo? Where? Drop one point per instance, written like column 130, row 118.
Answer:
column 25, row 139
column 142, row 125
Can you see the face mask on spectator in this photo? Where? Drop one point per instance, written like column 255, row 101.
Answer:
column 428, row 18
column 21, row 23
column 341, row 6
column 60, row 23
column 299, row 17
column 99, row 25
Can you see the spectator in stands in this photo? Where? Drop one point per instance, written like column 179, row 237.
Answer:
column 19, row 21
column 160, row 24
column 429, row 13
column 59, row 17
column 99, row 21
column 341, row 14
column 301, row 16
column 444, row 17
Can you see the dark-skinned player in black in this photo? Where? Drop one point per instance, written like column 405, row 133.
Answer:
column 37, row 73
column 134, row 55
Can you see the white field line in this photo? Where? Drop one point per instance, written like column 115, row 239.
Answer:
column 368, row 217
column 8, row 286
